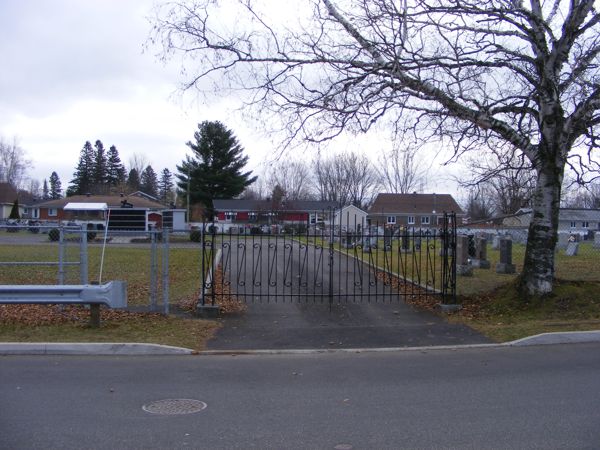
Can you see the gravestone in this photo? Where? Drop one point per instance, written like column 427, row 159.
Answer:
column 597, row 239
column 572, row 249
column 417, row 243
column 505, row 265
column 462, row 256
column 471, row 245
column 405, row 242
column 387, row 238
column 348, row 240
column 563, row 241
column 496, row 242
column 480, row 259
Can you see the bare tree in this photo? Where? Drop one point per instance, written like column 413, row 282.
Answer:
column 13, row 163
column 139, row 162
column 291, row 176
column 470, row 72
column 399, row 170
column 478, row 205
column 505, row 176
column 345, row 179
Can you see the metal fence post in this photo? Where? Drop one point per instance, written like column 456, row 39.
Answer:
column 83, row 257
column 153, row 277
column 61, row 255
column 165, row 271
column 331, row 252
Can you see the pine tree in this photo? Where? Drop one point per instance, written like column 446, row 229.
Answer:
column 165, row 186
column 114, row 167
column 99, row 173
column 45, row 191
column 82, row 178
column 133, row 181
column 149, row 182
column 216, row 169
column 55, row 186
column 14, row 212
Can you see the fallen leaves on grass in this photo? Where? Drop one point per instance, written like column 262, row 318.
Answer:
column 35, row 315
column 227, row 302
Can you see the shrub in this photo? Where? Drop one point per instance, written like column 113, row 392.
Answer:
column 91, row 235
column 195, row 235
column 54, row 234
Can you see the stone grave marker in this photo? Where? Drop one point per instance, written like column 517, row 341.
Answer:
column 572, row 249
column 480, row 259
column 496, row 242
column 505, row 265
column 597, row 239
column 462, row 256
column 405, row 242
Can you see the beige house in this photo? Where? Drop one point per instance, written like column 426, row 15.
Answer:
column 413, row 210
column 351, row 218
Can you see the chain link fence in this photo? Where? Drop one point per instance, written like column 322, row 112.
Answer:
column 161, row 268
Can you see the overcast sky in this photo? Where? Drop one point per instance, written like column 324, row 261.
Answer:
column 76, row 70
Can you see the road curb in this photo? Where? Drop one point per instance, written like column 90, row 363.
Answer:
column 140, row 349
column 113, row 348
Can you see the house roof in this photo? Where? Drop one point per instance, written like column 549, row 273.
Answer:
column 235, row 205
column 570, row 214
column 113, row 201
column 414, row 204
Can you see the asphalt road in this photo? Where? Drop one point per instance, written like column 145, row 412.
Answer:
column 285, row 286
column 484, row 398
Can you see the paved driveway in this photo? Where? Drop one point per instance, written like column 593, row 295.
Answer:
column 286, row 287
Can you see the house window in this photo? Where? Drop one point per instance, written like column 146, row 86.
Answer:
column 52, row 212
column 585, row 224
column 391, row 220
column 35, row 213
column 316, row 218
column 573, row 224
column 425, row 220
column 411, row 220
column 229, row 216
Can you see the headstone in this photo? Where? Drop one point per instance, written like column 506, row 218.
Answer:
column 471, row 245
column 462, row 256
column 348, row 240
column 563, row 241
column 417, row 243
column 597, row 239
column 405, row 242
column 480, row 259
column 387, row 238
column 496, row 242
column 505, row 265
column 572, row 249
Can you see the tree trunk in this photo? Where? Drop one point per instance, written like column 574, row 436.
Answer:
column 538, row 267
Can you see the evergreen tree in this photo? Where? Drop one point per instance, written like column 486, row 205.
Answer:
column 14, row 212
column 55, row 186
column 215, row 171
column 165, row 186
column 133, row 181
column 99, row 173
column 149, row 182
column 82, row 178
column 45, row 191
column 115, row 169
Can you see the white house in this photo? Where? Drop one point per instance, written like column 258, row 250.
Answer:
column 351, row 218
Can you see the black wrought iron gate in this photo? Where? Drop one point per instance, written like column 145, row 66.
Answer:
column 328, row 263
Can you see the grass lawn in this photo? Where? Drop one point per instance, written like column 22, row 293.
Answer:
column 71, row 326
column 131, row 264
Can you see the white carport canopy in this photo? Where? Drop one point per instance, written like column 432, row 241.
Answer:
column 85, row 206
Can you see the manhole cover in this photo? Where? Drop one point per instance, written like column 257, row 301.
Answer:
column 172, row 406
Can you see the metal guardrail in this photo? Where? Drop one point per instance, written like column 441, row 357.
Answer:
column 112, row 294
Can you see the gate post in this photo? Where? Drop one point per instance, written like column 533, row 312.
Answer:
column 61, row 255
column 331, row 238
column 153, row 278
column 449, row 264
column 83, row 257
column 203, row 309
column 165, row 270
